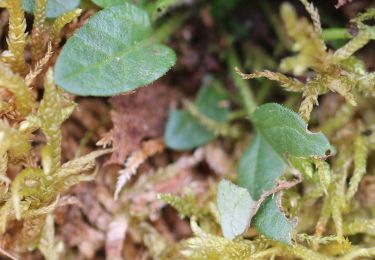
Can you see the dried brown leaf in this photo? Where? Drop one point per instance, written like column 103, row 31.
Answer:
column 218, row 159
column 115, row 237
column 137, row 117
column 86, row 238
column 341, row 3
column 148, row 149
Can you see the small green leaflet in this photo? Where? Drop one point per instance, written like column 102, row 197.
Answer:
column 286, row 132
column 278, row 132
column 55, row 8
column 112, row 53
column 184, row 132
column 272, row 223
column 108, row 3
column 235, row 207
column 257, row 171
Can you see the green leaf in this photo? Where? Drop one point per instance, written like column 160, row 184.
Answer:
column 210, row 102
column 259, row 167
column 278, row 132
column 286, row 132
column 108, row 3
column 112, row 53
column 160, row 7
column 272, row 223
column 184, row 132
column 235, row 207
column 55, row 8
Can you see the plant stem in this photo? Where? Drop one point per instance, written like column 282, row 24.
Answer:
column 163, row 32
column 248, row 98
column 237, row 115
column 331, row 34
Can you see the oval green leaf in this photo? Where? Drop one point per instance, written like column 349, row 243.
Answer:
column 236, row 207
column 287, row 133
column 108, row 3
column 112, row 53
column 55, row 8
column 272, row 223
column 184, row 132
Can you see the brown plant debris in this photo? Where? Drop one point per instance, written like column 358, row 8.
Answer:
column 137, row 117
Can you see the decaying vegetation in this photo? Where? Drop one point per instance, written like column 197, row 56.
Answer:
column 148, row 173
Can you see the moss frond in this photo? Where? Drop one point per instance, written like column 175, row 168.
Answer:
column 23, row 97
column 148, row 149
column 29, row 183
column 300, row 252
column 60, row 22
column 353, row 45
column 323, row 173
column 81, row 164
column 3, row 161
column 360, row 253
column 360, row 162
column 288, row 84
column 16, row 37
column 360, row 226
column 5, row 212
column 13, row 142
column 308, row 43
column 39, row 30
column 48, row 246
column 35, row 72
column 43, row 210
column 51, row 118
column 366, row 84
column 335, row 203
column 186, row 205
column 211, row 247
column 75, row 171
column 314, row 14
column 338, row 72
column 310, row 98
column 369, row 14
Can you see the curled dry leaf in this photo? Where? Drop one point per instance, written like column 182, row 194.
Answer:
column 92, row 209
column 218, row 159
column 137, row 117
column 148, row 149
column 341, row 3
column 171, row 179
column 106, row 140
column 86, row 238
column 115, row 237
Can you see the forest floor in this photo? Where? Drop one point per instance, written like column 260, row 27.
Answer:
column 139, row 225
